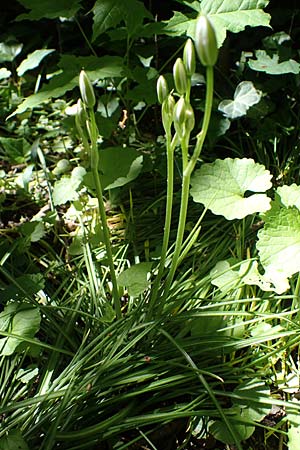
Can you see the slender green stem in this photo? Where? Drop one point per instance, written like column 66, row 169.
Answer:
column 95, row 172
column 186, row 182
column 168, row 217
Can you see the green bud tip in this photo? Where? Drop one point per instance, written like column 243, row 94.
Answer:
column 162, row 89
column 206, row 41
column 180, row 76
column 189, row 58
column 86, row 90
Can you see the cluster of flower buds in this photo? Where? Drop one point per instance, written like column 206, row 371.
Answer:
column 181, row 113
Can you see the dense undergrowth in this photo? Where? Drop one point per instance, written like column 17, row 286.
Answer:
column 123, row 323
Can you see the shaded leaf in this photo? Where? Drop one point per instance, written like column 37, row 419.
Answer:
column 33, row 60
column 272, row 66
column 13, row 440
column 227, row 197
column 244, row 97
column 16, row 150
column 109, row 13
column 49, row 9
column 135, row 279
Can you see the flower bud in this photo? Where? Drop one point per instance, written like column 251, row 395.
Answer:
column 167, row 112
column 86, row 90
column 162, row 89
column 206, row 41
column 189, row 119
column 179, row 116
column 189, row 57
column 180, row 76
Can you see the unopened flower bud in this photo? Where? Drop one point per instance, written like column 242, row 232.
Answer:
column 189, row 58
column 167, row 112
column 189, row 119
column 206, row 41
column 180, row 76
column 86, row 90
column 162, row 89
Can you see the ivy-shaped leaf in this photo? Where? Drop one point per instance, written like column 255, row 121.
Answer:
column 272, row 66
column 279, row 244
column 33, row 60
column 4, row 73
column 221, row 187
column 8, row 52
column 49, row 9
column 135, row 279
column 66, row 189
column 225, row 15
column 244, row 97
column 109, row 13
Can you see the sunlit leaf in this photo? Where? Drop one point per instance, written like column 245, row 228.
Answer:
column 244, row 97
column 228, row 197
column 33, row 60
column 66, row 189
column 279, row 244
column 8, row 51
column 67, row 79
column 22, row 320
column 225, row 15
column 4, row 73
column 272, row 65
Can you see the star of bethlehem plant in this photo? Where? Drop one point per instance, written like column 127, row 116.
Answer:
column 226, row 198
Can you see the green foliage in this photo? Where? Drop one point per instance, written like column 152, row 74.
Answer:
column 244, row 97
column 33, row 60
column 19, row 322
column 238, row 176
column 109, row 13
column 66, row 189
column 224, row 15
column 136, row 278
column 49, row 9
column 271, row 65
column 13, row 441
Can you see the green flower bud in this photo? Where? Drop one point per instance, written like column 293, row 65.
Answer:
column 86, row 90
column 189, row 58
column 167, row 112
column 206, row 41
column 179, row 116
column 162, row 89
column 81, row 112
column 189, row 119
column 180, row 76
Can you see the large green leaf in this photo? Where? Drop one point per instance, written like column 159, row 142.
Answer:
column 279, row 244
column 9, row 51
column 16, row 150
column 13, row 440
column 272, row 66
column 67, row 79
column 135, row 278
column 33, row 60
column 221, row 187
column 244, row 97
column 22, row 320
column 109, row 13
column 226, row 15
column 49, row 9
